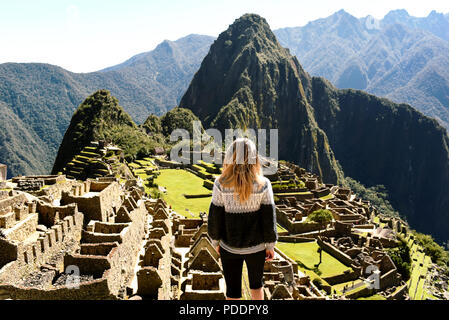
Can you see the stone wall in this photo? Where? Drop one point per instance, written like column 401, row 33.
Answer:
column 335, row 252
column 28, row 256
column 99, row 206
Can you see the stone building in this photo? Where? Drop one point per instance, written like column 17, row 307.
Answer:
column 42, row 243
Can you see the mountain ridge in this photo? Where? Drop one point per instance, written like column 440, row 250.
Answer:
column 328, row 131
column 44, row 97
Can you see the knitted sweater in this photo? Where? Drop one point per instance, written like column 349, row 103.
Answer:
column 243, row 228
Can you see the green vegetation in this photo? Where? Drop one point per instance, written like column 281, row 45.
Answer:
column 37, row 100
column 373, row 297
column 328, row 197
column 321, row 216
column 420, row 263
column 100, row 117
column 432, row 249
column 307, row 256
column 178, row 118
column 377, row 195
column 180, row 182
column 280, row 228
column 285, row 185
column 152, row 125
column 401, row 258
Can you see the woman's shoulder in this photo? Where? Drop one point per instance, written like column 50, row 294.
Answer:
column 217, row 183
column 264, row 183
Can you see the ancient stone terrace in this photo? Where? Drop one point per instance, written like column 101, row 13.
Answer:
column 33, row 234
column 357, row 236
column 98, row 199
column 294, row 207
column 283, row 281
column 157, row 274
column 98, row 159
column 46, row 241
column 201, row 276
column 365, row 255
column 36, row 183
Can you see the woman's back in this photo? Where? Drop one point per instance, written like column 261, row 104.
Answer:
column 231, row 200
column 242, row 218
column 243, row 227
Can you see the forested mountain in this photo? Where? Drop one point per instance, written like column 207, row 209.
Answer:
column 42, row 98
column 400, row 57
column 248, row 80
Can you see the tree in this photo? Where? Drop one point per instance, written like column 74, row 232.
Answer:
column 323, row 217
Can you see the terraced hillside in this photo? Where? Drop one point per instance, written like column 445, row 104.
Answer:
column 96, row 160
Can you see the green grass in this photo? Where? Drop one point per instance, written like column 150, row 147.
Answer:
column 339, row 287
column 329, row 196
column 178, row 183
column 280, row 228
column 416, row 283
column 146, row 163
column 362, row 287
column 373, row 297
column 295, row 193
column 306, row 255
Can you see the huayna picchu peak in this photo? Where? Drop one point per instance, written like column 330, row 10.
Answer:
column 248, row 80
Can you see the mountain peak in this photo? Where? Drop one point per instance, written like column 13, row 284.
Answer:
column 398, row 13
column 435, row 14
column 96, row 115
column 248, row 27
column 248, row 80
column 342, row 13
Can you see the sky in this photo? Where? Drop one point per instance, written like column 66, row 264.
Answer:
column 89, row 35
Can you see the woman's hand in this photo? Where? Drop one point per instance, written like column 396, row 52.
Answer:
column 217, row 248
column 269, row 255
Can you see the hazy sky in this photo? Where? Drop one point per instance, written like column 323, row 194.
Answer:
column 88, row 35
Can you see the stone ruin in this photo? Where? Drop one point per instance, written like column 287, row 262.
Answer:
column 107, row 238
column 96, row 239
column 353, row 237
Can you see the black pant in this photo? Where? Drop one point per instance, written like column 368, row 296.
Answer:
column 232, row 270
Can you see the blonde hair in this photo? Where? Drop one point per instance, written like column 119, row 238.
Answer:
column 241, row 168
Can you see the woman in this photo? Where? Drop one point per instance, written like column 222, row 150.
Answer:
column 242, row 219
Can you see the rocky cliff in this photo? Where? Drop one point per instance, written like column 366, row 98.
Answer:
column 248, row 80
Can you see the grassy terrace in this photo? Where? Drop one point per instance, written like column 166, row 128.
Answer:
column 178, row 183
column 295, row 193
column 328, row 197
column 373, row 297
column 280, row 228
column 306, row 255
column 420, row 265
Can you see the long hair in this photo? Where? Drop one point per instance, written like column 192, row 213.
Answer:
column 241, row 168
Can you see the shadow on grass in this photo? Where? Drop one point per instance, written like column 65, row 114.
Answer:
column 314, row 269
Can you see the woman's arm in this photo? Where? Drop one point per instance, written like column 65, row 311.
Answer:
column 215, row 218
column 268, row 209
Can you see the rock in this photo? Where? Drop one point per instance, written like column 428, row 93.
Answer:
column 42, row 228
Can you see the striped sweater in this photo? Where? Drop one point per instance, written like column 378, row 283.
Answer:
column 243, row 228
